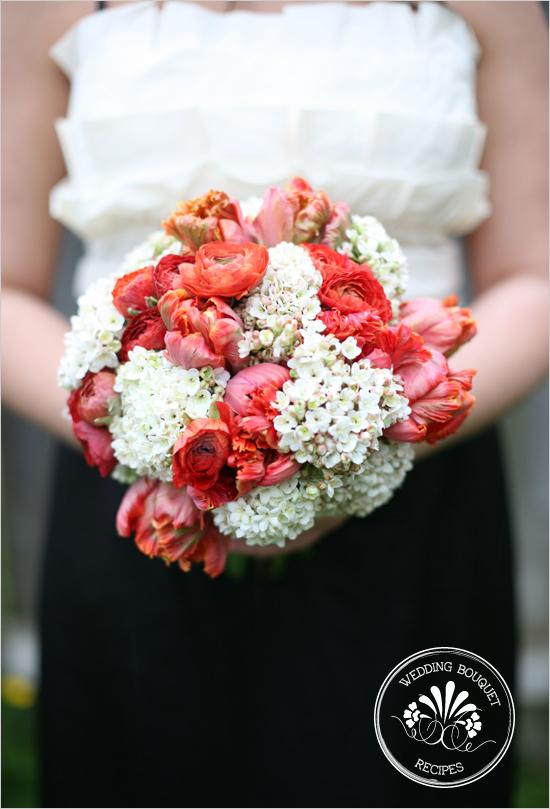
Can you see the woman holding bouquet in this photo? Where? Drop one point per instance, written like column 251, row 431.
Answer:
column 160, row 688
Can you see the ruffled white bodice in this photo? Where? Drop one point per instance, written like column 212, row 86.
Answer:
column 374, row 103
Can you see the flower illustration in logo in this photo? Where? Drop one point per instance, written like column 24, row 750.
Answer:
column 450, row 720
column 411, row 714
column 472, row 724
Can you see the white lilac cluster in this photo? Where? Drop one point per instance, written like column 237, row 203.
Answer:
column 150, row 251
column 157, row 401
column 367, row 242
column 270, row 515
column 94, row 339
column 365, row 489
column 333, row 411
column 285, row 301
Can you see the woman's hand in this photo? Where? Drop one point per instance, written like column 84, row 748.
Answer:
column 322, row 527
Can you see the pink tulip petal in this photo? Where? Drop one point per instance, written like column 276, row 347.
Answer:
column 245, row 382
column 176, row 505
column 419, row 378
column 282, row 468
column 225, row 336
column 408, row 431
column 191, row 351
column 274, row 223
column 132, row 506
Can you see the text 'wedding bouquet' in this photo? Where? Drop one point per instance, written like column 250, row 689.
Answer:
column 252, row 367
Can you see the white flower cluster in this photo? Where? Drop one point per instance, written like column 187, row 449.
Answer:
column 332, row 412
column 285, row 301
column 367, row 242
column 269, row 515
column 275, row 514
column 158, row 400
column 94, row 339
column 150, row 251
column 367, row 488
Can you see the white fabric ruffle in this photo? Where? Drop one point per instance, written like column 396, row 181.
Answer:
column 375, row 104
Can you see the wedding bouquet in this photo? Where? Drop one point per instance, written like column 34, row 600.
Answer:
column 252, row 367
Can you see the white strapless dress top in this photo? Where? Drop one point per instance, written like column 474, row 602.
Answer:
column 374, row 103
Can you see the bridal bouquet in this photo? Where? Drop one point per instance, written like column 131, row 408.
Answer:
column 252, row 367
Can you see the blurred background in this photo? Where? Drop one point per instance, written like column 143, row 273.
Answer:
column 30, row 456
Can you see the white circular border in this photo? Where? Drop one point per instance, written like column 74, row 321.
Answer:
column 432, row 782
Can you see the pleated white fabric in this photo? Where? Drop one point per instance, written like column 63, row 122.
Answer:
column 374, row 103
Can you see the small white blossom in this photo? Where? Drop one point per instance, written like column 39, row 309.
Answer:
column 270, row 515
column 362, row 490
column 333, row 413
column 94, row 339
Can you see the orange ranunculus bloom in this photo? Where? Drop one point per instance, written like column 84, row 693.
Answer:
column 224, row 270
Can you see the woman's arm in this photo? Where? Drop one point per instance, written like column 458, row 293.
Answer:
column 34, row 94
column 508, row 254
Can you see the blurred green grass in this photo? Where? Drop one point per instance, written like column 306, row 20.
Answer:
column 20, row 772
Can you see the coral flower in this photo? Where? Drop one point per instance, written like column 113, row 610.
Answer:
column 213, row 217
column 202, row 332
column 133, row 292
column 89, row 408
column 439, row 397
column 200, row 453
column 167, row 524
column 250, row 394
column 348, row 287
column 224, row 270
column 299, row 214
column 146, row 329
column 444, row 325
column 166, row 274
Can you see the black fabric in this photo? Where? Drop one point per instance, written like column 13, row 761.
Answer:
column 168, row 689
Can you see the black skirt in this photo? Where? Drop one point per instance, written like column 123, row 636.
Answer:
column 167, row 689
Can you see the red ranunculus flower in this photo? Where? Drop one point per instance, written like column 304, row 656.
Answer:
column 166, row 274
column 224, row 270
column 90, row 401
column 146, row 329
column 348, row 287
column 167, row 524
column 132, row 291
column 88, row 405
column 213, row 217
column 200, row 453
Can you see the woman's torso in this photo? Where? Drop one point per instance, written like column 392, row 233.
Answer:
column 374, row 103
